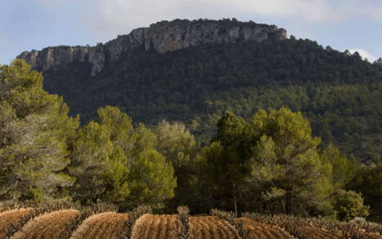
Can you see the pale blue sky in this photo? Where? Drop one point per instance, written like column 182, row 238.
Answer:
column 35, row 24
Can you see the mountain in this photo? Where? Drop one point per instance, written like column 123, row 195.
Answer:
column 161, row 37
column 194, row 71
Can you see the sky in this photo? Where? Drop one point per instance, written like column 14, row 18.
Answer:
column 355, row 25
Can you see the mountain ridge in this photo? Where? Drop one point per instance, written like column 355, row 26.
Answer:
column 161, row 37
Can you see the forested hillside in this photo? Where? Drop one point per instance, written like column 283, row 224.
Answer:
column 339, row 92
column 269, row 162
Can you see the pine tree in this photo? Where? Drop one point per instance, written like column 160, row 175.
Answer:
column 151, row 177
column 91, row 150
column 343, row 170
column 35, row 131
column 299, row 171
column 178, row 146
column 271, row 159
column 116, row 163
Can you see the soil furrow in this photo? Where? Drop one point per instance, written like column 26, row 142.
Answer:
column 49, row 225
column 141, row 227
column 89, row 226
column 11, row 217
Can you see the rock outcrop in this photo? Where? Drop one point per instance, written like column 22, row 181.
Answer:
column 161, row 37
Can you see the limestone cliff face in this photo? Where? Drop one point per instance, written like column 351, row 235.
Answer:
column 160, row 37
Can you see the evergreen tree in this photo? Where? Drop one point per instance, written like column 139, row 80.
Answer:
column 91, row 150
column 114, row 162
column 177, row 145
column 35, row 130
column 151, row 176
column 116, row 177
column 368, row 181
column 273, row 155
column 299, row 172
column 343, row 169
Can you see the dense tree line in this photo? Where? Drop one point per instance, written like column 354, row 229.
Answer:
column 338, row 92
column 269, row 163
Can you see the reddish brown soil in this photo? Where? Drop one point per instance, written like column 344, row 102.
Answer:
column 11, row 217
column 211, row 227
column 47, row 226
column 156, row 226
column 111, row 225
column 259, row 230
column 363, row 234
column 316, row 233
column 108, row 225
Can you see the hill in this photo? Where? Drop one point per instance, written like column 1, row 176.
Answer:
column 193, row 71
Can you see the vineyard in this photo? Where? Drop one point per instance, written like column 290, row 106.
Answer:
column 103, row 221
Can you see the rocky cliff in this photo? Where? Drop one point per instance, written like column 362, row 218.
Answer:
column 161, row 37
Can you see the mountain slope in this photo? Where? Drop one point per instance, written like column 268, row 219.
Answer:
column 170, row 75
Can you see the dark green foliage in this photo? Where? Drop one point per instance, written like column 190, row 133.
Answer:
column 35, row 130
column 343, row 169
column 368, row 181
column 339, row 93
column 117, row 163
column 270, row 162
column 177, row 145
column 349, row 204
column 45, row 155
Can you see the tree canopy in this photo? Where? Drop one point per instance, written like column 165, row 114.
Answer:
column 273, row 155
column 337, row 91
column 269, row 162
column 34, row 129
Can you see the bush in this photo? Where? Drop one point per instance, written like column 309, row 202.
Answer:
column 183, row 212
column 349, row 204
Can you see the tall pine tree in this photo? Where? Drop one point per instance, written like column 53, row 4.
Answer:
column 35, row 130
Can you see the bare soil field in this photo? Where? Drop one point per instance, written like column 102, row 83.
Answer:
column 11, row 217
column 156, row 226
column 316, row 233
column 363, row 234
column 211, row 227
column 112, row 225
column 259, row 230
column 104, row 225
column 47, row 226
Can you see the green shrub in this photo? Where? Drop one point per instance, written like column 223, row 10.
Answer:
column 349, row 204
